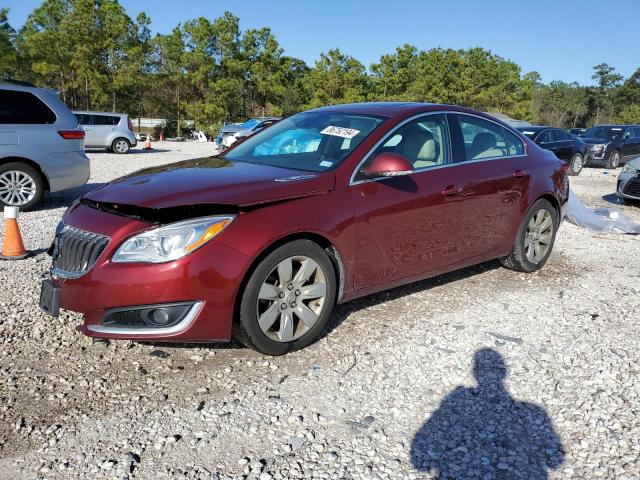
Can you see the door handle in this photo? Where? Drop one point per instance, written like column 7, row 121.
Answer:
column 451, row 190
column 519, row 173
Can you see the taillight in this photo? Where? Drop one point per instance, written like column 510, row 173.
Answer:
column 72, row 134
column 129, row 124
column 565, row 166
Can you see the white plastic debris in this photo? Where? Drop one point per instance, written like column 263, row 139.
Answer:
column 599, row 220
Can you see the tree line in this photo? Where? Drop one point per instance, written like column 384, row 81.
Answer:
column 211, row 71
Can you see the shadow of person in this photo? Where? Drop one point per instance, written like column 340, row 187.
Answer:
column 483, row 433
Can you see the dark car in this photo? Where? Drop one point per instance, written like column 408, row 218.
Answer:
column 612, row 145
column 321, row 208
column 566, row 147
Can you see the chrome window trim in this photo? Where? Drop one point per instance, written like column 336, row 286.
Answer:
column 353, row 181
column 177, row 328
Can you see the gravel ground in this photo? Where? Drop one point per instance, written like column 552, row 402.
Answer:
column 483, row 373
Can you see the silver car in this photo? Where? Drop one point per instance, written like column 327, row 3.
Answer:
column 112, row 131
column 41, row 145
column 629, row 182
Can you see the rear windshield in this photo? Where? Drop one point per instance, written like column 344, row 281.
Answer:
column 310, row 141
column 24, row 108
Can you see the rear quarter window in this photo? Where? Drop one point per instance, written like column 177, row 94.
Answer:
column 24, row 108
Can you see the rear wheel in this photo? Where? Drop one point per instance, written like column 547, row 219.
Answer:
column 535, row 238
column 121, row 146
column 614, row 159
column 287, row 299
column 576, row 164
column 21, row 185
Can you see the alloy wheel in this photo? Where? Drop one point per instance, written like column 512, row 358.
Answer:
column 291, row 299
column 17, row 188
column 615, row 159
column 576, row 164
column 121, row 146
column 537, row 240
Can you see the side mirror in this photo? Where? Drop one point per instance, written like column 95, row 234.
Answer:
column 388, row 164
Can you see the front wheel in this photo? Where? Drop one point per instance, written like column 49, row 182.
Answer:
column 121, row 146
column 21, row 185
column 576, row 164
column 535, row 238
column 614, row 160
column 287, row 300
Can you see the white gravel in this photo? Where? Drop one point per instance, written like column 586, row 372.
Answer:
column 388, row 392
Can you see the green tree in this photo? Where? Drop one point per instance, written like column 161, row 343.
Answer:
column 606, row 80
column 336, row 78
column 8, row 52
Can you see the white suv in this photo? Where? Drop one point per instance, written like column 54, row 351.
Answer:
column 41, row 145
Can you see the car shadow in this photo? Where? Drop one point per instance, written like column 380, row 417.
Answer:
column 612, row 198
column 482, row 432
column 343, row 311
column 65, row 198
column 133, row 150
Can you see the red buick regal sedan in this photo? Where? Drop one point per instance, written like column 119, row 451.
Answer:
column 323, row 207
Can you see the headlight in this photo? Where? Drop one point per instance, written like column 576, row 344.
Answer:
column 172, row 241
column 597, row 147
column 629, row 169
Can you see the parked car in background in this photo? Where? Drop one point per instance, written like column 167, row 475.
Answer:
column 567, row 147
column 229, row 134
column 112, row 131
column 612, row 145
column 629, row 182
column 323, row 207
column 41, row 146
column 577, row 131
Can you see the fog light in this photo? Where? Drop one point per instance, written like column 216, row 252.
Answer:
column 147, row 316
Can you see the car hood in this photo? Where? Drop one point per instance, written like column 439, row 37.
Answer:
column 210, row 180
column 594, row 140
column 231, row 128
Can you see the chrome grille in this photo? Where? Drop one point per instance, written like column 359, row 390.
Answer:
column 76, row 251
column 632, row 187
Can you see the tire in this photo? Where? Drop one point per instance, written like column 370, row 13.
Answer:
column 270, row 334
column 520, row 259
column 120, row 146
column 631, row 203
column 576, row 164
column 614, row 160
column 14, row 175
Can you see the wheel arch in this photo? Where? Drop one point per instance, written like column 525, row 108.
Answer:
column 322, row 241
column 32, row 164
column 551, row 198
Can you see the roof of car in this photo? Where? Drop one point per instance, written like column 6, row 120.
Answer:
column 86, row 112
column 391, row 109
column 534, row 128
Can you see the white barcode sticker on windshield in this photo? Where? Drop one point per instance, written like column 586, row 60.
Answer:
column 340, row 132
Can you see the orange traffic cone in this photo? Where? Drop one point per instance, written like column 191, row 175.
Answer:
column 12, row 247
column 147, row 143
column 161, row 137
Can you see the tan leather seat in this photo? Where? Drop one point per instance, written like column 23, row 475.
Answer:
column 484, row 145
column 420, row 148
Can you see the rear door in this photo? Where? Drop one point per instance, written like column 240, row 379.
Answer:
column 497, row 176
column 411, row 224
column 86, row 122
column 562, row 144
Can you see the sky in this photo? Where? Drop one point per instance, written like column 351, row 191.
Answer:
column 560, row 39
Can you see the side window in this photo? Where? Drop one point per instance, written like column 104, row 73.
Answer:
column 559, row 135
column 514, row 144
column 544, row 137
column 482, row 139
column 83, row 119
column 105, row 120
column 636, row 131
column 424, row 141
column 24, row 108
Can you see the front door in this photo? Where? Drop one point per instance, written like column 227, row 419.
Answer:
column 409, row 225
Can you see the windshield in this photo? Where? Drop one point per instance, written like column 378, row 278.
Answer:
column 602, row 133
column 249, row 124
column 310, row 141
